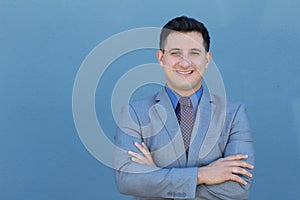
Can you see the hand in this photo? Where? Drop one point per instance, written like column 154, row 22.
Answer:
column 225, row 169
column 146, row 158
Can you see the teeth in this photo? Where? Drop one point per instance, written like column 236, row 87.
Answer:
column 188, row 72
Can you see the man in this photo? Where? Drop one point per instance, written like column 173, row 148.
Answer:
column 183, row 142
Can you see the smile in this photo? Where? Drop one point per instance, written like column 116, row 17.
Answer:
column 185, row 72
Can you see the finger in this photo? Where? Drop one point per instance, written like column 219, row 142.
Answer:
column 136, row 155
column 141, row 148
column 137, row 160
column 241, row 171
column 238, row 179
column 147, row 153
column 236, row 157
column 241, row 164
column 145, row 146
column 138, row 146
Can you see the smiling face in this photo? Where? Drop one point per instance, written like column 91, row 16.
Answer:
column 185, row 60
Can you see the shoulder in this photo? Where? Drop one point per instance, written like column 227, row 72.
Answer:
column 231, row 106
column 232, row 111
column 144, row 103
column 141, row 107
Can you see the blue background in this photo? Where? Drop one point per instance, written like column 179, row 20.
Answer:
column 43, row 43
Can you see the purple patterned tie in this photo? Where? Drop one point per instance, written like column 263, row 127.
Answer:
column 186, row 120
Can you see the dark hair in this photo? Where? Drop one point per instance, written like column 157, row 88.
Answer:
column 184, row 24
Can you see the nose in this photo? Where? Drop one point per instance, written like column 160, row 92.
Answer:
column 185, row 62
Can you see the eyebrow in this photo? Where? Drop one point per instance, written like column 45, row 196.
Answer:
column 196, row 49
column 175, row 49
column 178, row 49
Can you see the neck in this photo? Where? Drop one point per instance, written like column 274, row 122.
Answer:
column 185, row 92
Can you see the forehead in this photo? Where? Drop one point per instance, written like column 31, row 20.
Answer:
column 187, row 40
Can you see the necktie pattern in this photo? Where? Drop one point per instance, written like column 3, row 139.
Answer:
column 186, row 120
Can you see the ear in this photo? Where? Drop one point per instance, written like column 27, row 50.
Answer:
column 159, row 55
column 208, row 59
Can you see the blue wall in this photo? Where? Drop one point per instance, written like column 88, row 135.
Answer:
column 43, row 43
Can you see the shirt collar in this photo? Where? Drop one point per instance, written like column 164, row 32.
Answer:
column 174, row 97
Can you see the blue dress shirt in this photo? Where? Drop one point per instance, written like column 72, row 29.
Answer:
column 195, row 98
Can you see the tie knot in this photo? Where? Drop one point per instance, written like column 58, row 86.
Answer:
column 185, row 101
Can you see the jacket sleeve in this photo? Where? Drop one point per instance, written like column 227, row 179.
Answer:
column 146, row 181
column 240, row 141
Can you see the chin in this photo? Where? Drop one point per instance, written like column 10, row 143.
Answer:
column 185, row 88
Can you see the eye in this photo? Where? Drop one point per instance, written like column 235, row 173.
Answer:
column 175, row 53
column 195, row 53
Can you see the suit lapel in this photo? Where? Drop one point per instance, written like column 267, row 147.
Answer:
column 206, row 132
column 205, row 112
column 167, row 115
column 208, row 127
column 215, row 127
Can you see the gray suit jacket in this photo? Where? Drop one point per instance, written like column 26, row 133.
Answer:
column 221, row 129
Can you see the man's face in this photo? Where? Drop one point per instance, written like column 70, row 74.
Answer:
column 184, row 60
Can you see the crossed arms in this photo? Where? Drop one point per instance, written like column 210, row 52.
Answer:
column 229, row 177
column 219, row 171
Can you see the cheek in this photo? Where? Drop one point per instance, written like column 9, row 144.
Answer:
column 169, row 63
column 167, row 71
column 201, row 67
